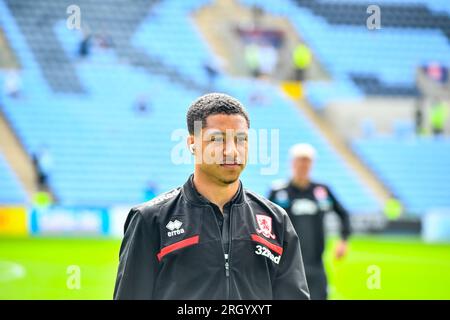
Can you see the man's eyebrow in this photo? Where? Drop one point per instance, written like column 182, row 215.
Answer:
column 224, row 133
column 214, row 131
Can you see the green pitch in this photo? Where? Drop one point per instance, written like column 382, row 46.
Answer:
column 375, row 268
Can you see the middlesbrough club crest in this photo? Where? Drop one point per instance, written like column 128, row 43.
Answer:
column 265, row 226
column 320, row 193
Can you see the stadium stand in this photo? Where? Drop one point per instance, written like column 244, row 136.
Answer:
column 416, row 170
column 103, row 151
column 373, row 63
column 379, row 63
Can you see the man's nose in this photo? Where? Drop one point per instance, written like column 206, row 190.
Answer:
column 230, row 151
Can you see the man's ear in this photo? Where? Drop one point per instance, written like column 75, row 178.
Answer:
column 191, row 143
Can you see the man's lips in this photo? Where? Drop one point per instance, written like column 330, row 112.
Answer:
column 230, row 165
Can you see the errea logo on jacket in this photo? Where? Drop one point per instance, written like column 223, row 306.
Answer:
column 175, row 228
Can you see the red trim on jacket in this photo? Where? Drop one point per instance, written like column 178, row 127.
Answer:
column 178, row 245
column 268, row 244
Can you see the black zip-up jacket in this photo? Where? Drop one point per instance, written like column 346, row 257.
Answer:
column 307, row 208
column 173, row 249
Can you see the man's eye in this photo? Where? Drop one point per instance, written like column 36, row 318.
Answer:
column 241, row 139
column 216, row 138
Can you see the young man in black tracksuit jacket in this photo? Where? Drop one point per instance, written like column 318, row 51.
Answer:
column 211, row 238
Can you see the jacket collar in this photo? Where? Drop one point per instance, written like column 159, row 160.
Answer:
column 195, row 197
column 293, row 186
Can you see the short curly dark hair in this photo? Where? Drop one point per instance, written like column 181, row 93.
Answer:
column 213, row 103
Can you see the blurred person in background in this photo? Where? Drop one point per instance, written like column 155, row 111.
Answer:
column 306, row 203
column 268, row 58
column 418, row 118
column 253, row 59
column 212, row 72
column 438, row 117
column 257, row 15
column 142, row 105
column 85, row 44
column 42, row 199
column 150, row 190
column 43, row 163
column 301, row 57
column 104, row 41
column 13, row 84
column 213, row 68
column 393, row 208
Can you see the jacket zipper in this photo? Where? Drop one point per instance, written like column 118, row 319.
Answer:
column 225, row 256
column 228, row 261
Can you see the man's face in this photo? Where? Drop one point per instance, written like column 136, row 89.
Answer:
column 224, row 146
column 301, row 167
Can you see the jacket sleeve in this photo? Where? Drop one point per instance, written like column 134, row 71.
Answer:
column 290, row 282
column 271, row 196
column 138, row 262
column 343, row 216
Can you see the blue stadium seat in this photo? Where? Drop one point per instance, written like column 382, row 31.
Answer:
column 415, row 169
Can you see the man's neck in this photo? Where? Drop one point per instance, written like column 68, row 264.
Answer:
column 217, row 193
column 301, row 183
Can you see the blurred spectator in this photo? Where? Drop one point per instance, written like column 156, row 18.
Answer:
column 257, row 14
column 211, row 73
column 104, row 41
column 41, row 177
column 438, row 118
column 213, row 67
column 393, row 208
column 42, row 162
column 268, row 57
column 42, row 199
column 12, row 86
column 258, row 96
column 151, row 190
column 302, row 58
column 418, row 119
column 142, row 105
column 85, row 44
column 436, row 72
column 252, row 59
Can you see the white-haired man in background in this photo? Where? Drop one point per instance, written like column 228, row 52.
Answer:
column 306, row 203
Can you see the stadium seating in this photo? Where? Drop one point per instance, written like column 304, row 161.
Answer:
column 104, row 151
column 379, row 62
column 415, row 169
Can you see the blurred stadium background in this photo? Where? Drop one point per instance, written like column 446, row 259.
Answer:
column 87, row 116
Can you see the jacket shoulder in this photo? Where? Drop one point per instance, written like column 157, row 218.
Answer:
column 147, row 213
column 278, row 185
column 319, row 184
column 152, row 207
column 276, row 209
